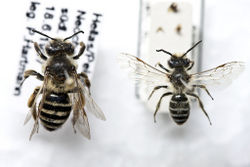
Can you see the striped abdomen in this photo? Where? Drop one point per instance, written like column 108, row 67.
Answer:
column 179, row 108
column 55, row 110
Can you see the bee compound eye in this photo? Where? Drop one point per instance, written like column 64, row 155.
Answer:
column 47, row 68
column 186, row 62
column 170, row 63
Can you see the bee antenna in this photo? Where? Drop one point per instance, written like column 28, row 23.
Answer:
column 162, row 50
column 191, row 48
column 33, row 30
column 73, row 35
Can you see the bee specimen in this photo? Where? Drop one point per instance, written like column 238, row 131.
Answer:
column 177, row 81
column 63, row 90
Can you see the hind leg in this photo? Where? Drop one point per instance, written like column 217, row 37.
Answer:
column 201, row 105
column 33, row 96
column 32, row 105
column 205, row 88
column 159, row 103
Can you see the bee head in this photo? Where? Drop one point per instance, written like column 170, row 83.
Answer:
column 179, row 61
column 58, row 47
column 176, row 62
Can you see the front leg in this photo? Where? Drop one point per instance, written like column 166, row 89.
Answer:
column 39, row 52
column 191, row 66
column 29, row 73
column 82, row 45
column 164, row 68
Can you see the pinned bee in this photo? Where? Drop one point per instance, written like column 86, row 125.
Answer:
column 177, row 82
column 63, row 90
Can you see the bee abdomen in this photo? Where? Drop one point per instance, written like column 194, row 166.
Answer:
column 55, row 111
column 179, row 108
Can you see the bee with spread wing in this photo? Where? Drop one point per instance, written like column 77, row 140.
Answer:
column 63, row 90
column 177, row 81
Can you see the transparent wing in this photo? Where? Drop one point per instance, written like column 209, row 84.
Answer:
column 81, row 99
column 223, row 74
column 141, row 71
column 82, row 124
column 27, row 118
column 91, row 106
column 80, row 119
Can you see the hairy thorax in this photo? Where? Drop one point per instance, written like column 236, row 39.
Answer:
column 63, row 87
column 179, row 78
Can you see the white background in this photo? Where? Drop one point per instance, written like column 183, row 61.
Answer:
column 129, row 137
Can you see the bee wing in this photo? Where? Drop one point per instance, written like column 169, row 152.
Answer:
column 90, row 103
column 27, row 118
column 141, row 71
column 224, row 73
column 80, row 117
column 82, row 98
column 82, row 124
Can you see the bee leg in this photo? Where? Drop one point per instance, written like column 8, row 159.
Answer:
column 82, row 45
column 39, row 52
column 205, row 88
column 32, row 105
column 156, row 88
column 159, row 104
column 85, row 78
column 201, row 105
column 164, row 68
column 34, row 73
column 191, row 66
column 36, row 124
column 33, row 96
